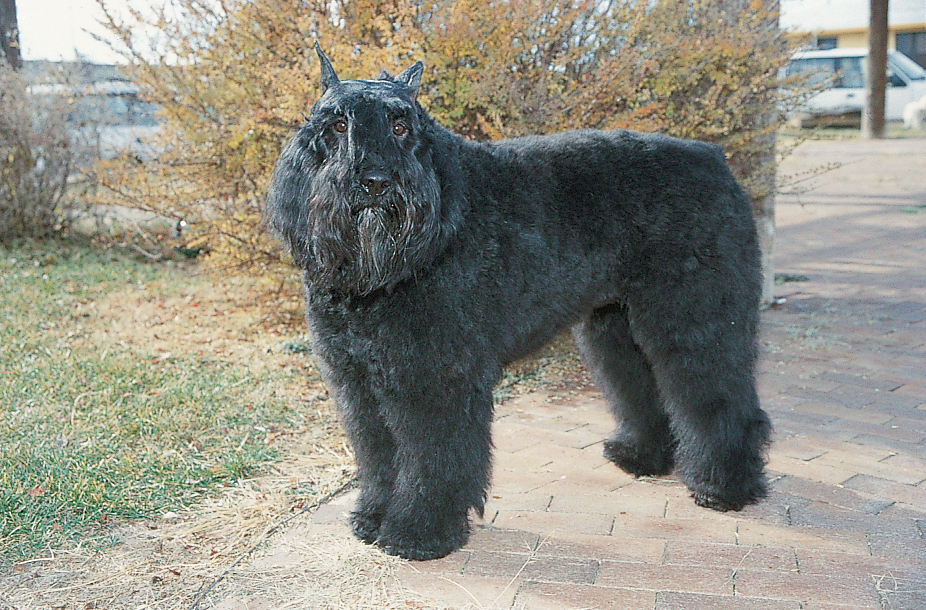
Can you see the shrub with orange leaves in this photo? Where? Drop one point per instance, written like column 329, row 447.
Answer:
column 233, row 78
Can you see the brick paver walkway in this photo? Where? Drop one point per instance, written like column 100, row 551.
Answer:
column 844, row 379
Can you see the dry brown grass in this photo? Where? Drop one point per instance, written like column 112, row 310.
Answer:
column 167, row 564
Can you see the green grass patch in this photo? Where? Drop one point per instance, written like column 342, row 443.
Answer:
column 91, row 435
column 917, row 209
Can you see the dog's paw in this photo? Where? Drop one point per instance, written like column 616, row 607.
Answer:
column 365, row 526
column 639, row 461
column 421, row 546
column 715, row 502
column 739, row 498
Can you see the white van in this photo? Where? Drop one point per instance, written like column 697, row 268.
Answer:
column 843, row 72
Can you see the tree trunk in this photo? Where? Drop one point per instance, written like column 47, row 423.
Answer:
column 9, row 35
column 764, row 209
column 876, row 79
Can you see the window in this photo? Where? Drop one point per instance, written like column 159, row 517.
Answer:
column 913, row 45
column 826, row 43
column 840, row 72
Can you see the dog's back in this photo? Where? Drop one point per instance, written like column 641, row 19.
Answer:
column 648, row 202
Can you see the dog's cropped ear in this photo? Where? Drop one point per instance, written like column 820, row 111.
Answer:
column 411, row 78
column 329, row 78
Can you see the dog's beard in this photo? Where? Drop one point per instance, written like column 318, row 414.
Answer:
column 360, row 244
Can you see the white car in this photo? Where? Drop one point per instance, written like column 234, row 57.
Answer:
column 842, row 71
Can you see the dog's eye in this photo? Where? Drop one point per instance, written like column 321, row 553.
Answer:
column 340, row 126
column 399, row 129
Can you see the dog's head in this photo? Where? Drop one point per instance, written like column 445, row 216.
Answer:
column 366, row 194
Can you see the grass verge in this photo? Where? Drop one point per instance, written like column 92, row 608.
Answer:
column 99, row 427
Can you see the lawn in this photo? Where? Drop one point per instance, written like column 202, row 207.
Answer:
column 130, row 389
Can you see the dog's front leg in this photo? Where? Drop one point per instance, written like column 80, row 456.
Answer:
column 374, row 451
column 443, row 460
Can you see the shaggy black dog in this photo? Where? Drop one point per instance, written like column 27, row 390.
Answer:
column 430, row 262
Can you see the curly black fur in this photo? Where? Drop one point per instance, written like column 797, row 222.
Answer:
column 430, row 262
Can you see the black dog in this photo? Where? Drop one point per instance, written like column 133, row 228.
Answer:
column 430, row 262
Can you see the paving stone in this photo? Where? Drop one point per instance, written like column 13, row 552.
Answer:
column 811, row 388
column 899, row 492
column 500, row 540
column 897, row 404
column 891, row 430
column 673, row 600
column 549, row 522
column 562, row 458
column 528, row 501
column 898, row 544
column 861, row 465
column 907, row 311
column 813, row 470
column 621, row 502
column 837, row 411
column 606, row 477
column 870, row 440
column 693, row 579
column 800, row 447
column 793, row 422
column 836, row 496
column 915, row 389
column 555, row 596
column 899, row 510
column 858, row 397
column 577, row 435
column 522, row 461
column 760, row 534
column 860, row 450
column 511, row 436
column 675, row 529
column 732, row 556
column 864, row 379
column 860, row 567
column 855, row 592
column 601, row 548
column 902, row 598
column 915, row 424
column 827, row 516
column 531, row 567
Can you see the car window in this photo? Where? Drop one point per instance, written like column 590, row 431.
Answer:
column 839, row 72
column 893, row 80
column 850, row 71
column 818, row 70
column 909, row 67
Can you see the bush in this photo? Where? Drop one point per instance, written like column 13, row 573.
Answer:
column 38, row 157
column 233, row 79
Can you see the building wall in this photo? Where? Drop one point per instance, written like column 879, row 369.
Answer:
column 844, row 23
column 858, row 37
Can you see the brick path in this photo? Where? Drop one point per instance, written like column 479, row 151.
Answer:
column 843, row 378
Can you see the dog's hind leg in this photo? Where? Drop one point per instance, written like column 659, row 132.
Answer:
column 643, row 443
column 702, row 348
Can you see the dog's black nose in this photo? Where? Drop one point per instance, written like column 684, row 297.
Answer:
column 375, row 183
